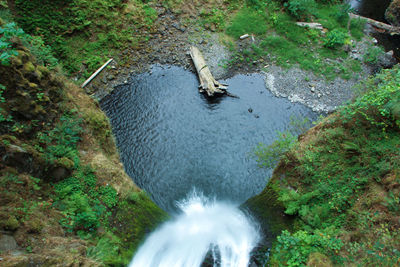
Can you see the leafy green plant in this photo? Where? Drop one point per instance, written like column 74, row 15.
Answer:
column 378, row 104
column 393, row 202
column 3, row 114
column 7, row 32
column 335, row 38
column 301, row 9
column 268, row 156
column 294, row 249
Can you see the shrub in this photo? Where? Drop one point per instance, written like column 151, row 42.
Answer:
column 294, row 249
column 379, row 104
column 335, row 38
column 268, row 156
column 301, row 9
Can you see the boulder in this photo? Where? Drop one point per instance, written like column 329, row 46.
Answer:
column 392, row 13
column 7, row 243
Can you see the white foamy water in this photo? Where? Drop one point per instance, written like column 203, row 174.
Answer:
column 202, row 226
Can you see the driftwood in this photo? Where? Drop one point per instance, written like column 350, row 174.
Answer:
column 311, row 25
column 380, row 25
column 207, row 82
column 96, row 73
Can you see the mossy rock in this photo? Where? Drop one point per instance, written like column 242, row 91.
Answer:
column 136, row 217
column 269, row 211
column 318, row 259
column 34, row 225
column 11, row 223
column 66, row 163
column 28, row 67
column 392, row 13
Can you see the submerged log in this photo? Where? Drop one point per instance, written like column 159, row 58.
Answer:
column 380, row 25
column 207, row 82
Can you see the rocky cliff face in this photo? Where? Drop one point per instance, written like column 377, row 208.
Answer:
column 65, row 199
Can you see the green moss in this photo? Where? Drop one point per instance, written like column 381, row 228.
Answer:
column 34, row 225
column 66, row 163
column 136, row 217
column 11, row 223
column 29, row 67
column 319, row 259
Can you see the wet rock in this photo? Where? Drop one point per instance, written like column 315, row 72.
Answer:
column 7, row 243
column 59, row 173
column 387, row 60
column 110, row 77
column 17, row 157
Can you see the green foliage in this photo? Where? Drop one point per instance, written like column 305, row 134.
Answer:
column 357, row 28
column 301, row 9
column 62, row 140
column 268, row 156
column 342, row 13
column 84, row 203
column 7, row 32
column 282, row 42
column 294, row 249
column 247, row 21
column 327, row 177
column 42, row 52
column 335, row 38
column 215, row 17
column 67, row 26
column 393, row 202
column 107, row 250
column 3, row 115
column 373, row 53
column 378, row 105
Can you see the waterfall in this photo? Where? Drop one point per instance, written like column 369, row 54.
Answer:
column 203, row 226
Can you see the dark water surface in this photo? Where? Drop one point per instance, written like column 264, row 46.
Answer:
column 374, row 9
column 172, row 139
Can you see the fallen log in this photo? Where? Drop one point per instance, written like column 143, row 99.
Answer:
column 380, row 25
column 96, row 73
column 207, row 82
column 311, row 25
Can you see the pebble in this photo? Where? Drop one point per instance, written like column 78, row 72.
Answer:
column 312, row 89
column 250, row 110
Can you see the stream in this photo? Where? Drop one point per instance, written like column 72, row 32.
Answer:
column 173, row 141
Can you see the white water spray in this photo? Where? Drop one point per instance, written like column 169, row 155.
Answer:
column 203, row 226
